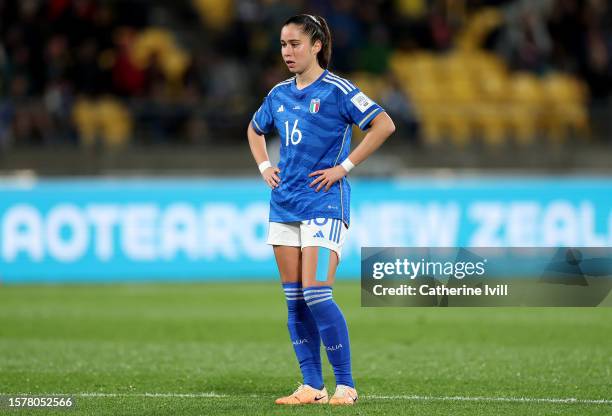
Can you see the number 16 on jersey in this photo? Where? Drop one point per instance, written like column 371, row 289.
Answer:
column 295, row 136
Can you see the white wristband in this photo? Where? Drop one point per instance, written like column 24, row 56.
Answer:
column 347, row 165
column 264, row 165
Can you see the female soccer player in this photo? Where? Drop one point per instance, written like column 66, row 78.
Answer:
column 309, row 209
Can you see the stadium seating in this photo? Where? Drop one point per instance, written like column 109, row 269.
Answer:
column 468, row 94
column 157, row 43
column 106, row 119
column 566, row 113
column 216, row 14
column 456, row 62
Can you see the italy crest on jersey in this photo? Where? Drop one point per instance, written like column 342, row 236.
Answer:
column 315, row 104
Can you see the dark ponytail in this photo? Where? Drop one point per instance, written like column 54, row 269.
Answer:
column 316, row 28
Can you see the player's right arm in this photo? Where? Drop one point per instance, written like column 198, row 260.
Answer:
column 261, row 124
column 257, row 143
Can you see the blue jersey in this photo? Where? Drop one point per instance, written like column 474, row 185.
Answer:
column 314, row 124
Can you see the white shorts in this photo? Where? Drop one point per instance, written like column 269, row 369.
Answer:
column 317, row 232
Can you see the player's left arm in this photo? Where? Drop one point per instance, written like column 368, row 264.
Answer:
column 381, row 127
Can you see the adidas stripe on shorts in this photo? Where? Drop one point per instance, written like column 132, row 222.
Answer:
column 317, row 232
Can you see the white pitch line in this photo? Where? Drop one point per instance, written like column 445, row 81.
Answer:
column 181, row 395
column 569, row 400
column 214, row 395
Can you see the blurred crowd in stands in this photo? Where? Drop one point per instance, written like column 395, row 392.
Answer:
column 108, row 73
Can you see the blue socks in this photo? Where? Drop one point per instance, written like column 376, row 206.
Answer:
column 304, row 335
column 333, row 329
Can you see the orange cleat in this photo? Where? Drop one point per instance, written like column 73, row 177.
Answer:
column 344, row 395
column 305, row 395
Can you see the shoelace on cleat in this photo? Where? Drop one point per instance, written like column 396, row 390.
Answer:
column 299, row 389
column 342, row 391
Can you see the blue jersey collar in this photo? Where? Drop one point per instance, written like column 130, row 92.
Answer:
column 303, row 91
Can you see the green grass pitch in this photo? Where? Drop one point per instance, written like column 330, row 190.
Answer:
column 223, row 348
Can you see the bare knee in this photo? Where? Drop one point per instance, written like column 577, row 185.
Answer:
column 319, row 266
column 289, row 262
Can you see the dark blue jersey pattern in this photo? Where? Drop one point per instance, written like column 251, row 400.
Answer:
column 314, row 125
